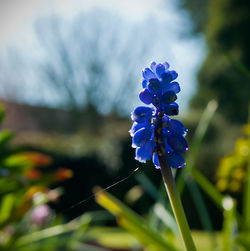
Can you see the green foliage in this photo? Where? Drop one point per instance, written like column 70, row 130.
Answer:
column 23, row 187
column 198, row 13
column 133, row 223
column 235, row 230
column 225, row 72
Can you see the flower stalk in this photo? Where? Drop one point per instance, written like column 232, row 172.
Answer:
column 173, row 195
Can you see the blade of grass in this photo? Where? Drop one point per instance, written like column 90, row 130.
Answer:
column 238, row 65
column 207, row 187
column 150, row 188
column 229, row 225
column 212, row 192
column 200, row 206
column 113, row 237
column 132, row 222
column 53, row 231
column 202, row 212
column 147, row 185
column 196, row 143
column 166, row 217
column 190, row 170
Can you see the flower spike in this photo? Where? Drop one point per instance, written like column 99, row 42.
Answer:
column 160, row 90
column 158, row 137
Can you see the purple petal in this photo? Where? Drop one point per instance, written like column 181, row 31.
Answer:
column 175, row 160
column 171, row 109
column 177, row 142
column 154, row 86
column 166, row 64
column 152, row 66
column 141, row 137
column 148, row 74
column 144, row 83
column 166, row 78
column 144, row 152
column 177, row 127
column 174, row 86
column 169, row 97
column 145, row 96
column 141, row 114
column 160, row 69
column 168, row 148
column 165, row 119
column 174, row 75
column 156, row 161
column 137, row 126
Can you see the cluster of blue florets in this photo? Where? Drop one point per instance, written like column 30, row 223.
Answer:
column 159, row 89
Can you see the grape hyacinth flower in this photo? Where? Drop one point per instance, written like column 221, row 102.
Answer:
column 152, row 124
column 155, row 135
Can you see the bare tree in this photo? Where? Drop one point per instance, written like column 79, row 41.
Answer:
column 92, row 59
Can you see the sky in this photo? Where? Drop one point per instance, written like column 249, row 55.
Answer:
column 17, row 15
column 185, row 53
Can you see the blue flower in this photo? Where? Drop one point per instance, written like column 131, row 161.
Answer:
column 159, row 87
column 160, row 90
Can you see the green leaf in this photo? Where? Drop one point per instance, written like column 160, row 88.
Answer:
column 5, row 136
column 112, row 237
column 17, row 161
column 132, row 222
column 7, row 204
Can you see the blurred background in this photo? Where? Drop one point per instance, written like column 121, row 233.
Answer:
column 70, row 73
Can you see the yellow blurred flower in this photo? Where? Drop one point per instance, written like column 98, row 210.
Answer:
column 222, row 184
column 232, row 168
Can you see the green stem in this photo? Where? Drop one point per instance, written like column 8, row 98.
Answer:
column 176, row 205
column 173, row 195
